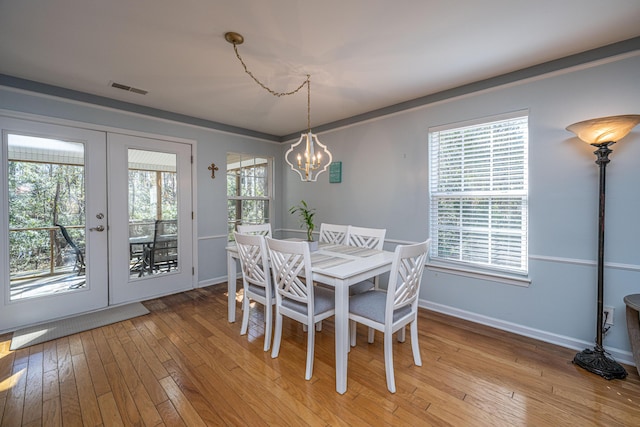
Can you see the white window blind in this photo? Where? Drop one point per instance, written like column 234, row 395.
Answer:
column 478, row 194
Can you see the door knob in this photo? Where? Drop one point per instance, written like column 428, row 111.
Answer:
column 98, row 228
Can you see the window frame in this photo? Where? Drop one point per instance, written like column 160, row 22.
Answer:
column 466, row 221
column 247, row 161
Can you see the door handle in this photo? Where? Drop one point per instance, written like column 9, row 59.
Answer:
column 98, row 228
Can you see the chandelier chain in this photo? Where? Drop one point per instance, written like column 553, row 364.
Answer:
column 271, row 91
column 308, row 82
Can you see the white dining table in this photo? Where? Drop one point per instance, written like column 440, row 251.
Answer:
column 338, row 266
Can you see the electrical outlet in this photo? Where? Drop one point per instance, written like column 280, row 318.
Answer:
column 608, row 314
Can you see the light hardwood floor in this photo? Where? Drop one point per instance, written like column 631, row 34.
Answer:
column 184, row 364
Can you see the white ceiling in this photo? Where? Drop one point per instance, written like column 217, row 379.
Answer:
column 362, row 54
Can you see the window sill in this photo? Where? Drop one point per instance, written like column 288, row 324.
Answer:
column 509, row 279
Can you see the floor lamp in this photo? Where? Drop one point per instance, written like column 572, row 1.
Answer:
column 602, row 133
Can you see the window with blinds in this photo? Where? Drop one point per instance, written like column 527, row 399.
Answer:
column 249, row 190
column 478, row 193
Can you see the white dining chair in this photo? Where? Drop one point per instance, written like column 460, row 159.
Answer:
column 262, row 229
column 391, row 310
column 256, row 281
column 370, row 238
column 296, row 296
column 333, row 233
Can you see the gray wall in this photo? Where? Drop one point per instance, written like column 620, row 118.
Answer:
column 385, row 184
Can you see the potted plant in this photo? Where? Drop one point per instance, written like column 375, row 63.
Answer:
column 306, row 220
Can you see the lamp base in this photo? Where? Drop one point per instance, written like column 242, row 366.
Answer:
column 596, row 361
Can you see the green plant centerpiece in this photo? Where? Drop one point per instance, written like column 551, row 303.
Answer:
column 306, row 215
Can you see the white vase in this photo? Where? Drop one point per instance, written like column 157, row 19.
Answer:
column 313, row 246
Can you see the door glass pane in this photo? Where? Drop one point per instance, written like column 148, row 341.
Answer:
column 46, row 188
column 153, row 213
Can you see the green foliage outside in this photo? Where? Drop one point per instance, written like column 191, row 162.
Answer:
column 41, row 195
column 44, row 194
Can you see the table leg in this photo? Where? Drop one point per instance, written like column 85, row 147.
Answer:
column 342, row 336
column 633, row 328
column 231, row 287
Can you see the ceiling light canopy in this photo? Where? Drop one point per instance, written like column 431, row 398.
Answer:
column 308, row 156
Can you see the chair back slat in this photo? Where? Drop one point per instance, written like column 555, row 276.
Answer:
column 261, row 229
column 291, row 266
column 371, row 238
column 406, row 275
column 253, row 258
column 333, row 233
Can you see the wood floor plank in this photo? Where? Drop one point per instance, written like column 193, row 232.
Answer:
column 69, row 400
column 14, row 400
column 50, row 385
column 102, row 346
column 184, row 364
column 197, row 393
column 94, row 363
column 52, row 412
column 6, row 368
column 126, row 405
column 86, row 393
column 75, row 344
column 151, row 339
column 144, row 371
column 180, row 353
column 135, row 385
column 169, row 415
column 181, row 403
column 49, row 356
column 147, row 353
column 109, row 410
column 34, row 387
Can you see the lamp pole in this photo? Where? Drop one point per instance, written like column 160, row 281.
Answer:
column 602, row 160
column 596, row 360
column 602, row 133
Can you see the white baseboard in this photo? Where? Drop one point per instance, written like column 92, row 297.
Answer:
column 621, row 356
column 212, row 281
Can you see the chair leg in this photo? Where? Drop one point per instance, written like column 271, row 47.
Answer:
column 414, row 343
column 401, row 335
column 310, row 348
column 268, row 313
column 371, row 335
column 388, row 361
column 352, row 332
column 275, row 350
column 245, row 314
column 319, row 326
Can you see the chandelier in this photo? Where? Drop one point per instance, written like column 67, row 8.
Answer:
column 308, row 156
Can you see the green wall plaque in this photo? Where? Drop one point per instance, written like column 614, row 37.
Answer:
column 335, row 172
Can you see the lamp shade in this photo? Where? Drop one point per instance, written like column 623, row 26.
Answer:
column 605, row 129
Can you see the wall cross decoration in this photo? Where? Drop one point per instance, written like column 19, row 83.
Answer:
column 213, row 168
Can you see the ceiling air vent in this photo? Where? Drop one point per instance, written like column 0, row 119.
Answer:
column 128, row 88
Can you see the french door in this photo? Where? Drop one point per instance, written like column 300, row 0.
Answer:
column 150, row 217
column 53, row 179
column 89, row 219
